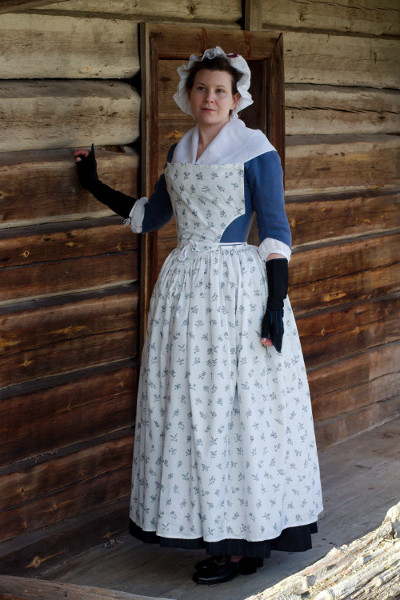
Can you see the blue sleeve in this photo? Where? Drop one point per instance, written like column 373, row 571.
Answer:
column 158, row 210
column 264, row 183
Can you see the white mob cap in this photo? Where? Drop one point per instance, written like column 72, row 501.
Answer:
column 236, row 61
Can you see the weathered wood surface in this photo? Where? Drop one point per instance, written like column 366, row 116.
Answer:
column 45, row 260
column 252, row 15
column 33, row 552
column 323, row 217
column 343, row 330
column 63, row 241
column 223, row 14
column 43, row 338
column 355, row 382
column 21, row 588
column 329, row 163
column 66, row 409
column 76, row 274
column 43, row 185
column 16, row 5
column 46, row 46
column 24, row 482
column 257, row 45
column 167, row 241
column 320, row 109
column 69, row 355
column 367, row 568
column 341, row 60
column 339, row 272
column 371, row 17
column 41, row 115
column 37, row 495
column 108, row 47
column 337, row 429
column 42, row 323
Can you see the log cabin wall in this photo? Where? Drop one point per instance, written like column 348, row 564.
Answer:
column 69, row 283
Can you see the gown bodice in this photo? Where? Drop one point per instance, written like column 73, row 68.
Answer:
column 205, row 199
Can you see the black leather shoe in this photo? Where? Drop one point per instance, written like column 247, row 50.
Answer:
column 207, row 562
column 245, row 562
column 220, row 569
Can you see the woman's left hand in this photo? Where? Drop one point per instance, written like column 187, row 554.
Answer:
column 272, row 329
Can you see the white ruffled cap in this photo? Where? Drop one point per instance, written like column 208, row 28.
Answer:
column 237, row 62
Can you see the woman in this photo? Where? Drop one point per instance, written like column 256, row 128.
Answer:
column 225, row 456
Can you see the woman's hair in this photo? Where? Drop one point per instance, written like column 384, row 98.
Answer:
column 219, row 63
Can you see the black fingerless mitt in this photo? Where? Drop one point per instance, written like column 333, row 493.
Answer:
column 87, row 172
column 278, row 281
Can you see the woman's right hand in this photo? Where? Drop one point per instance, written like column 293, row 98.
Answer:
column 87, row 167
column 81, row 153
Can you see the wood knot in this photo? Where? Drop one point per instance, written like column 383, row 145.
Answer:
column 192, row 8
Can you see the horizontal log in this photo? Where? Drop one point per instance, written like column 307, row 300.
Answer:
column 326, row 217
column 74, row 275
column 51, row 46
column 223, row 14
column 341, row 331
column 355, row 382
column 50, row 177
column 105, row 489
column 371, row 17
column 32, row 553
column 58, row 335
column 320, row 109
column 69, row 356
column 48, row 414
column 16, row 5
column 345, row 426
column 21, row 588
column 329, row 163
column 53, row 489
column 345, row 271
column 38, row 324
column 42, row 115
column 64, row 241
column 22, row 484
column 341, row 60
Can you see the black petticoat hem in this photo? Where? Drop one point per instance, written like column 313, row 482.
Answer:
column 292, row 539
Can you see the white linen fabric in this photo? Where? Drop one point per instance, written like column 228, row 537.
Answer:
column 235, row 143
column 224, row 442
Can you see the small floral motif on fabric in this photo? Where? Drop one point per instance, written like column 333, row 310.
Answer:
column 224, row 442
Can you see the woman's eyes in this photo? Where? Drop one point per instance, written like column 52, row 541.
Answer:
column 201, row 88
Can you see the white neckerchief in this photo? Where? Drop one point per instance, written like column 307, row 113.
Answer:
column 235, row 143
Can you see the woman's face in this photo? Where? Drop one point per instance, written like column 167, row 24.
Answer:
column 211, row 97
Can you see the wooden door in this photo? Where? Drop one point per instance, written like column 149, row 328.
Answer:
column 163, row 49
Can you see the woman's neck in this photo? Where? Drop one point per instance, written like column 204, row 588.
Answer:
column 206, row 136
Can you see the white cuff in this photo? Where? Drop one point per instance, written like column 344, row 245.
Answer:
column 136, row 215
column 270, row 246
